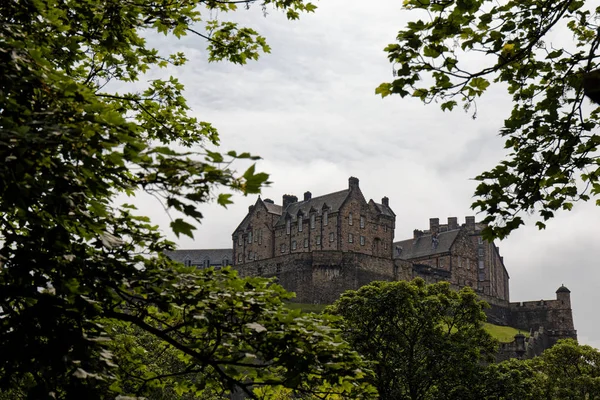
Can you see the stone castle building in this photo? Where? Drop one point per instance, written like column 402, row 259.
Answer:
column 319, row 247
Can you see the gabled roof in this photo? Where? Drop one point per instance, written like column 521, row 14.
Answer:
column 198, row 257
column 385, row 210
column 423, row 246
column 273, row 208
column 332, row 200
column 270, row 207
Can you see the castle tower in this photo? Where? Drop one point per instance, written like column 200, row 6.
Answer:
column 563, row 295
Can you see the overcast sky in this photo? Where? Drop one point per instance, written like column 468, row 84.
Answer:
column 310, row 111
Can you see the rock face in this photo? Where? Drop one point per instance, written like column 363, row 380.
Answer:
column 321, row 246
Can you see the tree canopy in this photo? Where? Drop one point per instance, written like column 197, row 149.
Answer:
column 425, row 341
column 551, row 132
column 75, row 263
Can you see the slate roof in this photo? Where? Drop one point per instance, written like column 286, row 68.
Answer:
column 273, row 208
column 423, row 247
column 563, row 289
column 385, row 210
column 198, row 257
column 333, row 201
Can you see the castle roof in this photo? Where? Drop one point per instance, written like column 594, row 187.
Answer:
column 424, row 245
column 385, row 210
column 215, row 257
column 273, row 208
column 333, row 201
column 563, row 289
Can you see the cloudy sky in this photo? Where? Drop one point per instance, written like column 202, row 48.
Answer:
column 310, row 111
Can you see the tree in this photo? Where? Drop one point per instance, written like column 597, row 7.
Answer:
column 73, row 260
column 551, row 132
column 571, row 371
column 510, row 379
column 425, row 341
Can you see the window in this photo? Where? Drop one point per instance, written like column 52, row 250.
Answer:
column 481, row 266
column 375, row 227
column 239, row 257
column 306, row 242
column 240, row 240
column 299, row 223
column 293, row 245
column 331, row 237
column 260, row 236
column 187, row 263
column 225, row 262
column 385, row 245
column 250, row 237
column 479, row 240
column 278, row 269
column 362, row 240
column 385, row 228
column 350, row 219
column 312, row 221
column 288, row 226
column 206, row 263
column 350, row 238
column 250, row 255
column 325, row 217
column 480, row 252
column 283, row 248
column 318, row 239
column 468, row 264
column 362, row 221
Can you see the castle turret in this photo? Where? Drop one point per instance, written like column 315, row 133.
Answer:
column 563, row 295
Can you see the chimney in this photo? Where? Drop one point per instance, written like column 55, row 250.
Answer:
column 288, row 199
column 250, row 208
column 307, row 196
column 434, row 225
column 452, row 223
column 352, row 182
column 417, row 233
column 269, row 201
column 470, row 222
column 385, row 201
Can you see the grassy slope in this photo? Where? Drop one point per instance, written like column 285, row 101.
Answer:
column 501, row 333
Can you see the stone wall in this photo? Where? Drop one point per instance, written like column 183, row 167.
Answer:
column 322, row 276
column 550, row 314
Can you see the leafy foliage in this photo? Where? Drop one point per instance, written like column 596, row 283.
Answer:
column 550, row 133
column 74, row 263
column 570, row 371
column 565, row 371
column 425, row 341
column 224, row 333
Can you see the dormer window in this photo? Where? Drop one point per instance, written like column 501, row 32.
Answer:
column 206, row 263
column 225, row 262
column 250, row 237
column 240, row 239
column 288, row 226
column 299, row 223
column 312, row 221
column 325, row 215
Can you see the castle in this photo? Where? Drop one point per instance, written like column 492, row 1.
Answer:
column 321, row 246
